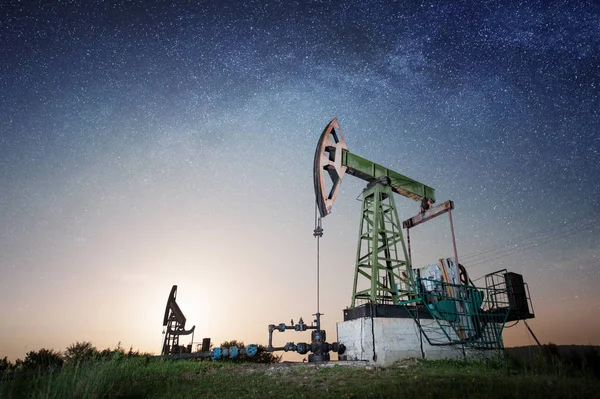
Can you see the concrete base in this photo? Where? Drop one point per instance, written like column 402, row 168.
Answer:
column 385, row 340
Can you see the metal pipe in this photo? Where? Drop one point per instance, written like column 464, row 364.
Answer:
column 319, row 347
column 270, row 336
column 408, row 244
column 453, row 238
column 318, row 233
column 217, row 353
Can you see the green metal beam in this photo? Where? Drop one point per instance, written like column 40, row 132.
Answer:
column 370, row 171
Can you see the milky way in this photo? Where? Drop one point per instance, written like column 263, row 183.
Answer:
column 145, row 144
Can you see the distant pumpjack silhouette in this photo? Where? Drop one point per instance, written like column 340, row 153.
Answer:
column 174, row 321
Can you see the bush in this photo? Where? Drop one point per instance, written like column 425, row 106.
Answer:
column 5, row 365
column 81, row 351
column 42, row 359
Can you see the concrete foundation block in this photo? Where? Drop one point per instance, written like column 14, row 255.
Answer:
column 384, row 340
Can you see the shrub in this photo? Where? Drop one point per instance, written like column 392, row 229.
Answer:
column 81, row 351
column 5, row 365
column 42, row 359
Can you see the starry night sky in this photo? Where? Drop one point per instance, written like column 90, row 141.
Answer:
column 145, row 144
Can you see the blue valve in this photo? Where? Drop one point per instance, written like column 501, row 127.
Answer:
column 302, row 348
column 216, row 354
column 251, row 350
column 289, row 346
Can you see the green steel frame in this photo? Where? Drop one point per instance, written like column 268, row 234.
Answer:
column 380, row 276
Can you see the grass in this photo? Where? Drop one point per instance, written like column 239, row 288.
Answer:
column 146, row 378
